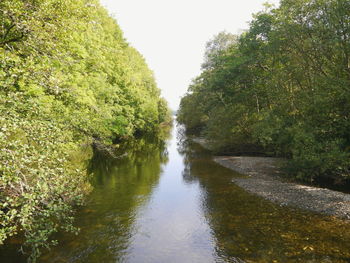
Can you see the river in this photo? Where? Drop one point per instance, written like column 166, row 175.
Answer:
column 169, row 202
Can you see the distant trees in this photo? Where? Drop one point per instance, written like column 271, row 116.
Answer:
column 282, row 88
column 67, row 76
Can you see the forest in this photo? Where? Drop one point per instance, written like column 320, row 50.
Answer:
column 68, row 79
column 281, row 88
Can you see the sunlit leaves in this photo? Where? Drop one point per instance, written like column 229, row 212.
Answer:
column 283, row 87
column 67, row 76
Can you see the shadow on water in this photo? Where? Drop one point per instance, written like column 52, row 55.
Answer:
column 250, row 229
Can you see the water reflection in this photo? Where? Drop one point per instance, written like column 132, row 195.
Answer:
column 171, row 203
column 121, row 187
column 250, row 229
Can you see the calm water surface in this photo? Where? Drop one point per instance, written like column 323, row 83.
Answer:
column 172, row 203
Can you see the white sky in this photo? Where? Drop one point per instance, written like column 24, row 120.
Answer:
column 171, row 35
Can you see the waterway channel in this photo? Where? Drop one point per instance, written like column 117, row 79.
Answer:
column 169, row 202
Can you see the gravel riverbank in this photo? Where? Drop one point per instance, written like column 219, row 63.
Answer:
column 263, row 180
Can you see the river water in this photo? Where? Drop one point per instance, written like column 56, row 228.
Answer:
column 169, row 202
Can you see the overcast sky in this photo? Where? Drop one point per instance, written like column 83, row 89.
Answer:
column 171, row 35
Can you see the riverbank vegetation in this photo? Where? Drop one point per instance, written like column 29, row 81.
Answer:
column 67, row 77
column 281, row 88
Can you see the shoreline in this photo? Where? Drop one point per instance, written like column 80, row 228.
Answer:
column 263, row 180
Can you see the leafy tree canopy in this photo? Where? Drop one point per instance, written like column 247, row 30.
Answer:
column 280, row 88
column 67, row 77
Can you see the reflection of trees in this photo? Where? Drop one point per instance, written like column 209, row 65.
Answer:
column 190, row 151
column 184, row 149
column 133, row 154
column 247, row 227
column 121, row 187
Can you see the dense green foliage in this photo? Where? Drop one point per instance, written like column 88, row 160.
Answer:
column 281, row 88
column 67, row 77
